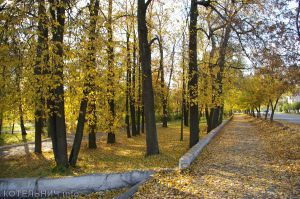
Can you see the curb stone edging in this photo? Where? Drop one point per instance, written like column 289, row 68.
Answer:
column 47, row 187
column 186, row 160
column 135, row 188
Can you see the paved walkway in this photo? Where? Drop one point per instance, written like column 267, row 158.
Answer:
column 237, row 164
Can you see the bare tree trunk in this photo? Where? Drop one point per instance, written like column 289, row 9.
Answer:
column 132, row 93
column 193, row 75
column 128, row 74
column 267, row 112
column 162, row 84
column 139, row 100
column 22, row 125
column 273, row 108
column 148, row 97
column 208, row 120
column 184, row 95
column 13, row 127
column 181, row 122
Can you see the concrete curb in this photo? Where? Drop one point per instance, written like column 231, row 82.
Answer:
column 133, row 189
column 68, row 186
column 186, row 160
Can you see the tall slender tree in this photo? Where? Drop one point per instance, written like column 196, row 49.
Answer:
column 148, row 97
column 89, row 84
column 193, row 75
column 56, row 118
column 42, row 59
column 111, row 138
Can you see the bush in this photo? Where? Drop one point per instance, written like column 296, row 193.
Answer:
column 286, row 107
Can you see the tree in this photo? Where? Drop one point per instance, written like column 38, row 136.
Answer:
column 111, row 138
column 193, row 73
column 42, row 59
column 89, row 86
column 148, row 98
column 56, row 118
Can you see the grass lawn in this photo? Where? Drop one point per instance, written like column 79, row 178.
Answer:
column 125, row 155
column 16, row 138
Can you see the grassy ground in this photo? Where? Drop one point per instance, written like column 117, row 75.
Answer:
column 16, row 138
column 126, row 154
column 8, row 138
column 17, row 128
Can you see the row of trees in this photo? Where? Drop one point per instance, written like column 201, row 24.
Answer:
column 102, row 65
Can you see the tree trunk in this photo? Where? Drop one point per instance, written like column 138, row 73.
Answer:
column 110, row 63
column 273, row 107
column 267, row 112
column 139, row 100
column 208, row 119
column 143, row 116
column 148, row 97
column 79, row 132
column 22, row 125
column 1, row 121
column 193, row 75
column 181, row 122
column 42, row 58
column 132, row 89
column 162, row 84
column 92, row 123
column 13, row 127
column 184, row 95
column 128, row 83
column 56, row 119
column 221, row 64
column 89, row 85
column 215, row 117
column 221, row 115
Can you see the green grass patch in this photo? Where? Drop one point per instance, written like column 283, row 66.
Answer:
column 16, row 138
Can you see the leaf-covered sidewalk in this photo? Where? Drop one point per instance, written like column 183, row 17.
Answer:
column 249, row 159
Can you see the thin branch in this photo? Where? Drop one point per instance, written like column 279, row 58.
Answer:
column 203, row 3
column 204, row 31
column 297, row 19
column 153, row 40
column 147, row 4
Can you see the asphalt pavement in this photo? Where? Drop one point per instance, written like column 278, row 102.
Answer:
column 293, row 118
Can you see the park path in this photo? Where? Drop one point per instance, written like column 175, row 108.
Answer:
column 236, row 164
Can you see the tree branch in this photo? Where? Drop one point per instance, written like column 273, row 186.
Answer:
column 147, row 4
column 297, row 19
column 200, row 28
column 153, row 40
column 203, row 3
